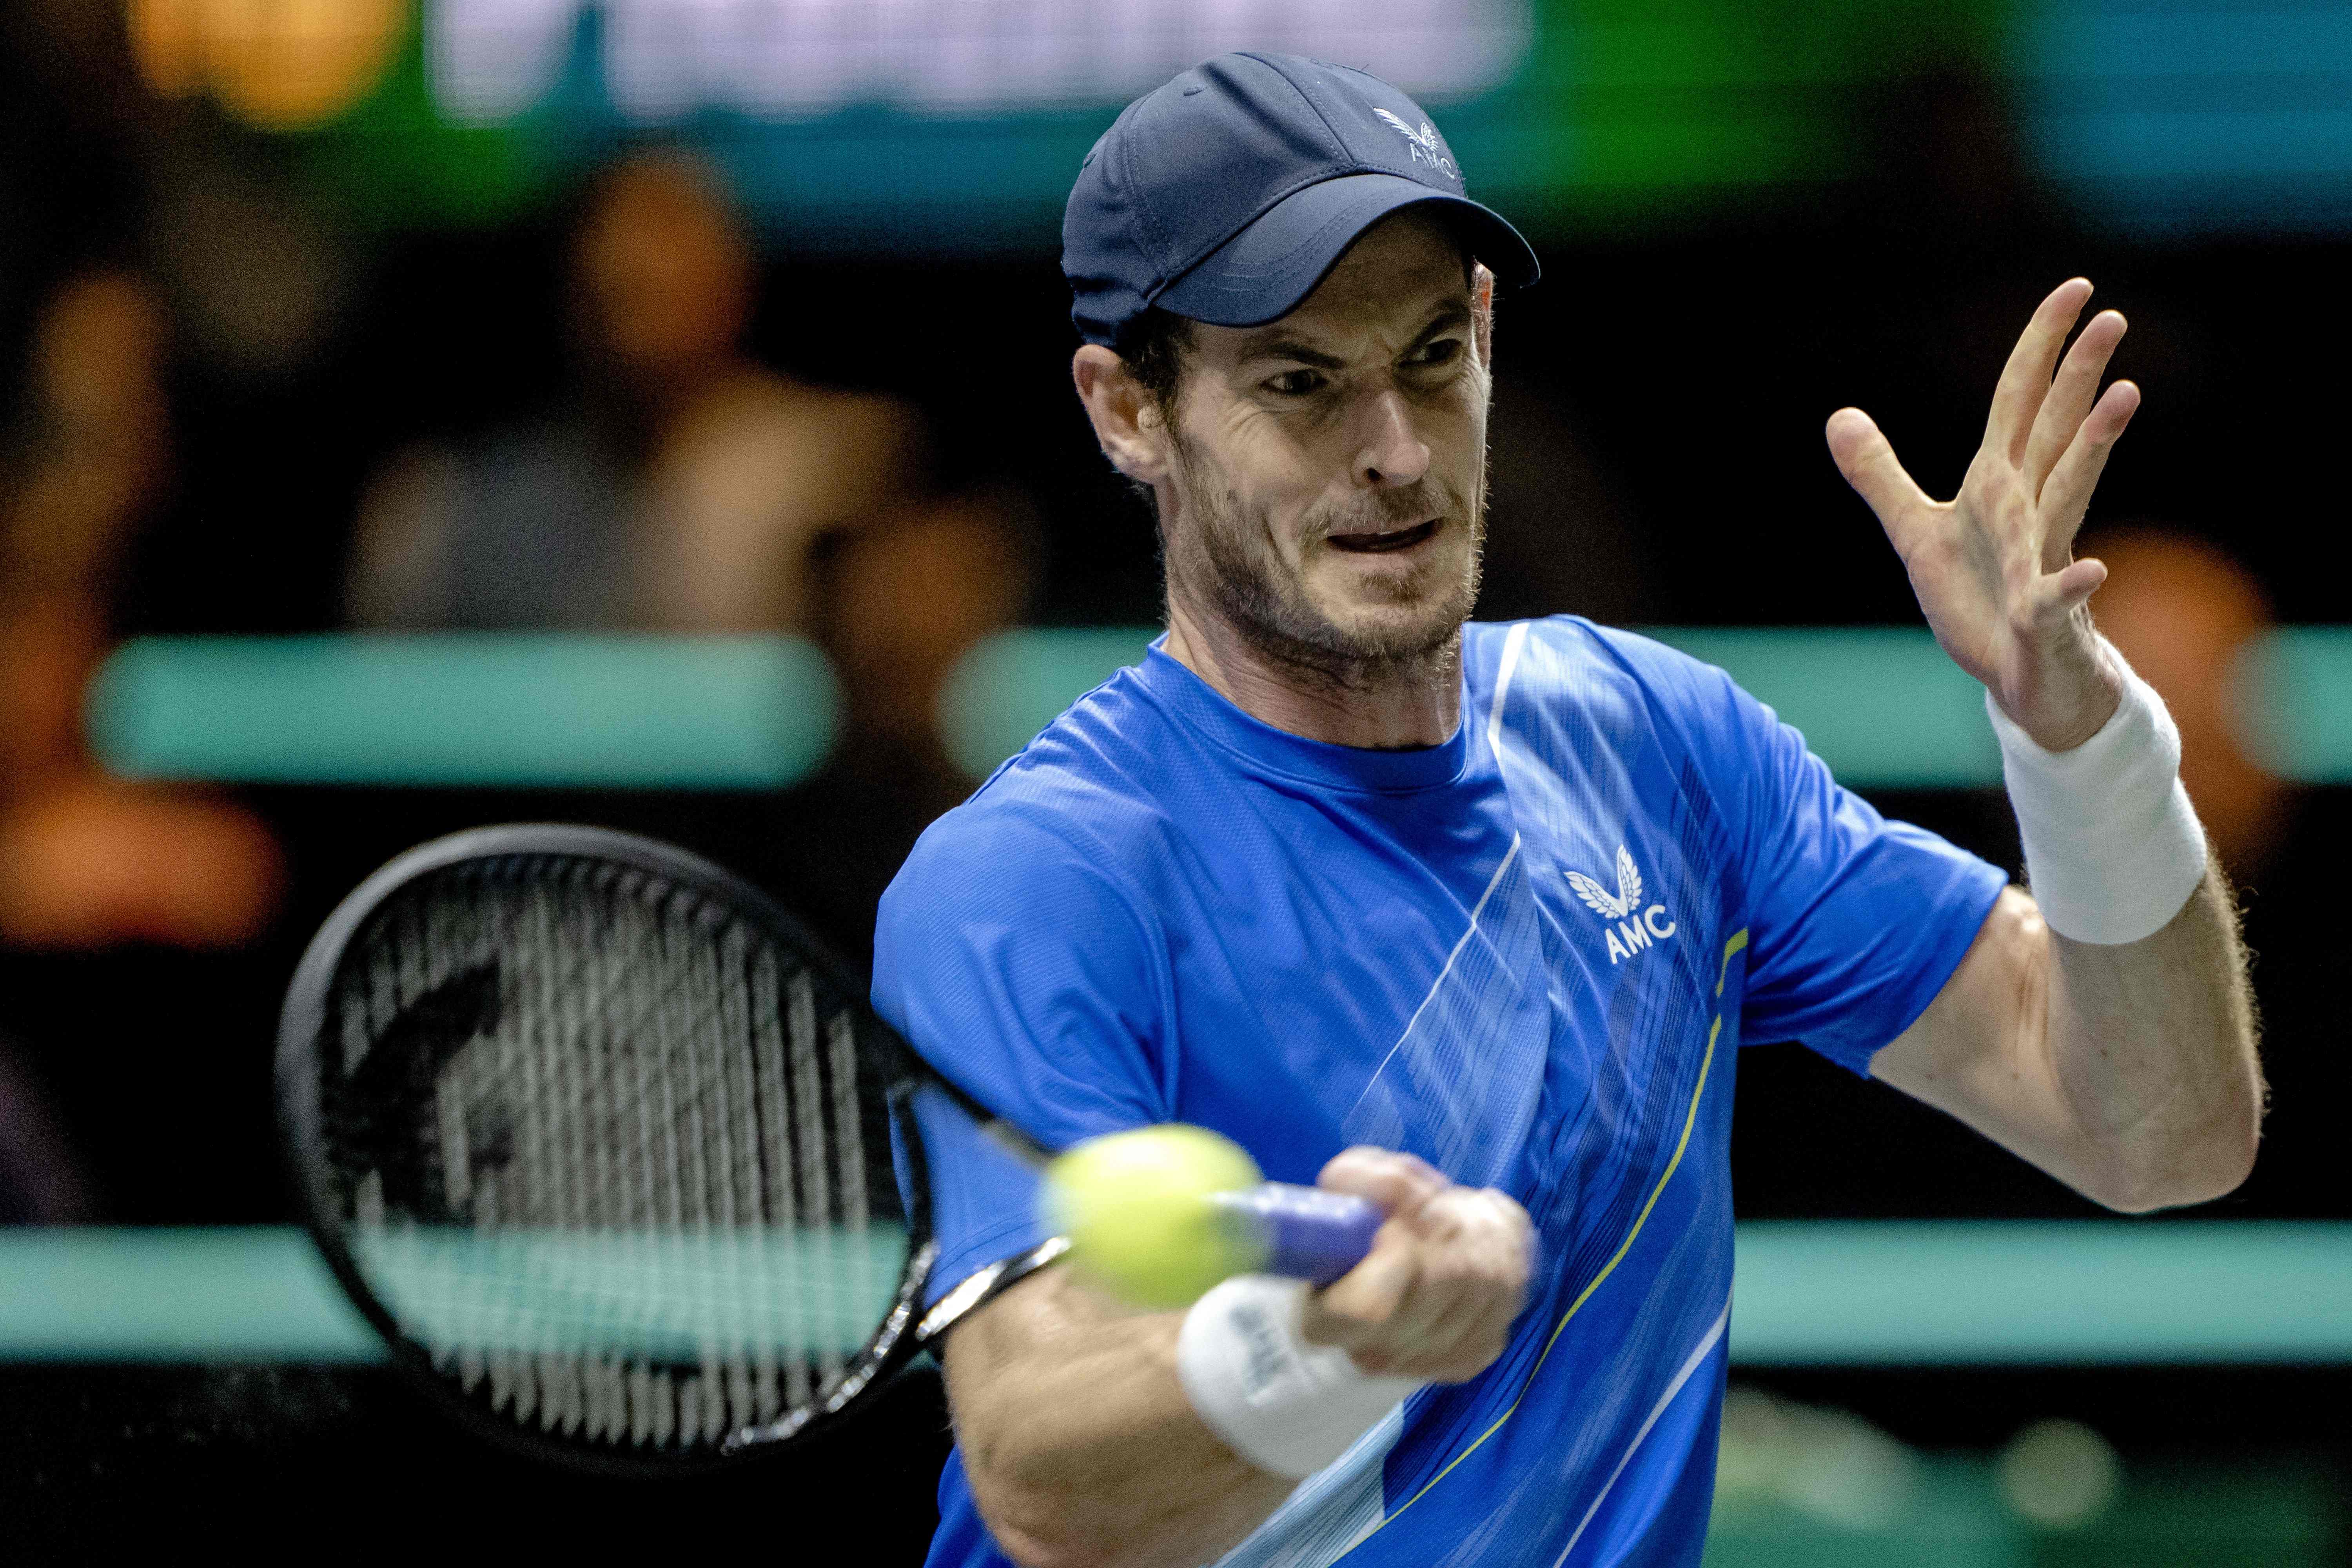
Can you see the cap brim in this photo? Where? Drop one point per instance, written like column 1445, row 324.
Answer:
column 1263, row 272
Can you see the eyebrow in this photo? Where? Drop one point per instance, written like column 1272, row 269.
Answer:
column 1278, row 345
column 1454, row 313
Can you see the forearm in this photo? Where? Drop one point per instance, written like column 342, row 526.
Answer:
column 2152, row 1047
column 1081, row 1448
column 2148, row 1031
column 2125, row 1070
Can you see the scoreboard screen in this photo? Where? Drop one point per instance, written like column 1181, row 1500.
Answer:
column 956, row 124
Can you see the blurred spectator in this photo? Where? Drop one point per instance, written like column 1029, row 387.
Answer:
column 897, row 605
column 905, row 599
column 2182, row 611
column 685, row 486
column 87, row 861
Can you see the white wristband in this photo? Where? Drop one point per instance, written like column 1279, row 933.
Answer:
column 2112, row 848
column 1286, row 1406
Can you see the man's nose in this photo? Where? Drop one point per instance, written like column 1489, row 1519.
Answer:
column 1390, row 451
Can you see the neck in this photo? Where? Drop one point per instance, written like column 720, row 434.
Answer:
column 1384, row 704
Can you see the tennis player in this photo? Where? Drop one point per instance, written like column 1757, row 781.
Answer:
column 1471, row 920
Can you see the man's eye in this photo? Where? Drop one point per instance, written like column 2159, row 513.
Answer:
column 1296, row 383
column 1444, row 350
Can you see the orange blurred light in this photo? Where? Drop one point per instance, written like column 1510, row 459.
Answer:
column 167, row 38
column 277, row 64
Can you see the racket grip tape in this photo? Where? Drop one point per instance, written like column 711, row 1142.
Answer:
column 1309, row 1234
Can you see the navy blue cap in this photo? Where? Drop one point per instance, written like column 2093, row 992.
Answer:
column 1228, row 193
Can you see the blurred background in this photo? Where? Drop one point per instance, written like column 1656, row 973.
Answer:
column 420, row 412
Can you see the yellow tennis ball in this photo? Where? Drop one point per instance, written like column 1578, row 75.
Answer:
column 1137, row 1209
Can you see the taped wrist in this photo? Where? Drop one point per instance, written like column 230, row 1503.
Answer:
column 2112, row 848
column 1286, row 1406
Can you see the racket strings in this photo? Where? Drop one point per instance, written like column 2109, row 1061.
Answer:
column 606, row 1152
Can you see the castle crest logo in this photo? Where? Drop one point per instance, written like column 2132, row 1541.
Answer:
column 1630, row 926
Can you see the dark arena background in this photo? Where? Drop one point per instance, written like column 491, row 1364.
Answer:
column 744, row 324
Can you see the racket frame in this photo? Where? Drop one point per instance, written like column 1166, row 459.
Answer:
column 904, row 1331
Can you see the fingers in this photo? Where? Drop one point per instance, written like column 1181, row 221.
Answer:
column 2071, row 588
column 2025, row 379
column 1480, row 1295
column 1358, row 1309
column 2066, row 495
column 1402, row 1313
column 2070, row 396
column 1436, row 1296
column 1869, row 465
column 1396, row 1182
column 1370, row 1294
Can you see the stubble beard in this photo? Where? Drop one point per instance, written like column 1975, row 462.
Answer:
column 1222, row 553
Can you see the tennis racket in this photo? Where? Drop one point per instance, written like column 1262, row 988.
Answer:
column 601, row 1139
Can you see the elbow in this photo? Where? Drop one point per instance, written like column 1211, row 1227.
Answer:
column 2174, row 1163
column 1038, row 1528
column 1042, row 1552
column 2178, row 1177
column 1032, row 1548
column 2232, row 1161
column 1031, row 1527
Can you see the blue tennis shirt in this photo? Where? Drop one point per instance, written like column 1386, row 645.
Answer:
column 1528, row 955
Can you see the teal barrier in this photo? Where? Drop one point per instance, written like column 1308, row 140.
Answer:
column 466, row 709
column 1883, row 706
column 1017, row 682
column 2299, row 689
column 1814, row 1293
column 86, row 1293
column 796, row 1290
column 1807, row 1294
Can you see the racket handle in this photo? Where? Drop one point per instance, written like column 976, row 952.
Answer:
column 1309, row 1234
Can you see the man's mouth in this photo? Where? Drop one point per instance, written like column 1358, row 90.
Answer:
column 1376, row 543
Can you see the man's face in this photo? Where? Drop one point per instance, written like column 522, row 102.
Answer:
column 1328, row 469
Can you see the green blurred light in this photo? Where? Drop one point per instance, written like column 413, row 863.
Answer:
column 1655, row 107
column 1626, row 114
column 395, row 163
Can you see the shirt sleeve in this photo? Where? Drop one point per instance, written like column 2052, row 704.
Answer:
column 1854, row 922
column 1027, row 978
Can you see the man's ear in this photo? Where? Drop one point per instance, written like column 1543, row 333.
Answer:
column 1125, row 417
column 1482, row 312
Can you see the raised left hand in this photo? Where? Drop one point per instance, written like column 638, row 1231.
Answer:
column 1994, row 567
